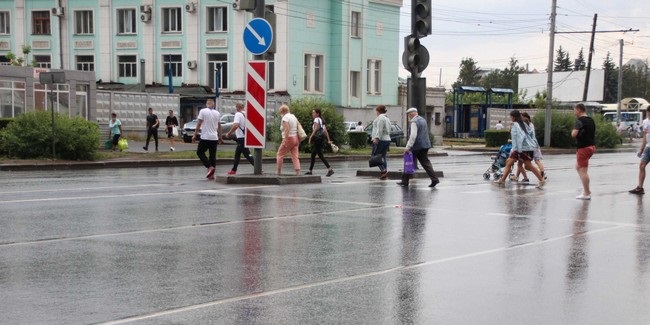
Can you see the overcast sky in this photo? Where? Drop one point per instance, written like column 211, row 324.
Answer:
column 491, row 32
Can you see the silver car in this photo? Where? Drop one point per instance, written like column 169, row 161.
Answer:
column 189, row 128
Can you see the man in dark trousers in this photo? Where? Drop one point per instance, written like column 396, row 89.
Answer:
column 585, row 133
column 419, row 144
column 152, row 129
column 238, row 128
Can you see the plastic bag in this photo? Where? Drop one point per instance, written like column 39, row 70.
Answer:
column 174, row 131
column 122, row 144
column 108, row 144
column 409, row 167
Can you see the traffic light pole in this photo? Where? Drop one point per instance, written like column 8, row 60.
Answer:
column 257, row 153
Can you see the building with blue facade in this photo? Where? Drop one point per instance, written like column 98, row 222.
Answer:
column 343, row 51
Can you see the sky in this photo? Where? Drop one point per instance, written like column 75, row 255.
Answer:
column 491, row 32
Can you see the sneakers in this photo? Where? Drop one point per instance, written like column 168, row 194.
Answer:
column 210, row 174
column 232, row 172
column 403, row 184
column 525, row 180
column 383, row 174
column 541, row 184
column 434, row 183
column 145, row 148
column 308, row 173
column 583, row 197
column 637, row 190
column 330, row 173
column 171, row 148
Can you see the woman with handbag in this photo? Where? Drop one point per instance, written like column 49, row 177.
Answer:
column 317, row 141
column 172, row 123
column 381, row 139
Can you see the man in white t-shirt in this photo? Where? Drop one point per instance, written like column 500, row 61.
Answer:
column 643, row 153
column 499, row 126
column 210, row 126
column 238, row 126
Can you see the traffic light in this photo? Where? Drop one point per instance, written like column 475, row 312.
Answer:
column 421, row 18
column 411, row 52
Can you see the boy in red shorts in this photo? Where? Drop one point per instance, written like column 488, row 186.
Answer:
column 585, row 133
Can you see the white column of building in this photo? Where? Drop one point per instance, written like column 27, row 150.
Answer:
column 282, row 77
column 191, row 46
column 148, row 43
column 20, row 27
column 240, row 54
column 108, row 63
column 67, row 62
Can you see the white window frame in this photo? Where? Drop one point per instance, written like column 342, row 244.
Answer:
column 355, row 84
column 127, row 20
column 127, row 69
column 43, row 60
column 176, row 62
column 373, row 77
column 171, row 20
column 355, row 24
column 5, row 23
column 314, row 70
column 84, row 65
column 217, row 19
column 84, row 22
column 213, row 59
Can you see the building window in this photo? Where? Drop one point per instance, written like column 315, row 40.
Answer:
column 43, row 61
column 83, row 22
column 171, row 20
column 218, row 60
column 126, row 21
column 85, row 62
column 173, row 62
column 128, row 66
column 374, row 77
column 217, row 19
column 313, row 78
column 355, row 24
column 41, row 22
column 4, row 23
column 355, row 83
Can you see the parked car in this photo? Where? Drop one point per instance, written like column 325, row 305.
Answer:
column 396, row 133
column 350, row 126
column 189, row 128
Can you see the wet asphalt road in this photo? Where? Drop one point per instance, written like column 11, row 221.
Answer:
column 165, row 246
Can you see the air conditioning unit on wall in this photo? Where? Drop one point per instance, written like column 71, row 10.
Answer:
column 145, row 8
column 145, row 17
column 191, row 64
column 190, row 7
column 58, row 11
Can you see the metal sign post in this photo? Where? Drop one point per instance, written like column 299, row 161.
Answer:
column 51, row 79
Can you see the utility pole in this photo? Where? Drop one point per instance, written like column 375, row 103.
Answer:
column 591, row 52
column 549, row 80
column 620, row 82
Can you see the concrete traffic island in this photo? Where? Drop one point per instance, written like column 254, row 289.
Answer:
column 268, row 179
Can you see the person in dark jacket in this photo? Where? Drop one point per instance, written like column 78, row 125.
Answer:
column 419, row 144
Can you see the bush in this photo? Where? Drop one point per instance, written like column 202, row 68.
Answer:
column 5, row 121
column 562, row 124
column 496, row 138
column 30, row 136
column 357, row 140
column 302, row 108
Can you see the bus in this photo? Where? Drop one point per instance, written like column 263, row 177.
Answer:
column 627, row 118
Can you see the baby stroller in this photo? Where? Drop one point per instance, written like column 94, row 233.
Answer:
column 496, row 169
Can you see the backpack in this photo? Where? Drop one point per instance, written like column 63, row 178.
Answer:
column 319, row 135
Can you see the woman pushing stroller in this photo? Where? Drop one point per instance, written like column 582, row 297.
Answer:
column 523, row 147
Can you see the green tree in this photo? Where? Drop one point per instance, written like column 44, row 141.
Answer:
column 20, row 61
column 635, row 81
column 468, row 74
column 580, row 64
column 562, row 61
column 510, row 74
column 611, row 80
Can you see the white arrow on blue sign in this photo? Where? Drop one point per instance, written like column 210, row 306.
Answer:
column 258, row 36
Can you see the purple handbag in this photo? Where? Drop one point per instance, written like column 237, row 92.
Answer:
column 409, row 168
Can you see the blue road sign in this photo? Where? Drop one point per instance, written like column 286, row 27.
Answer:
column 258, row 36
